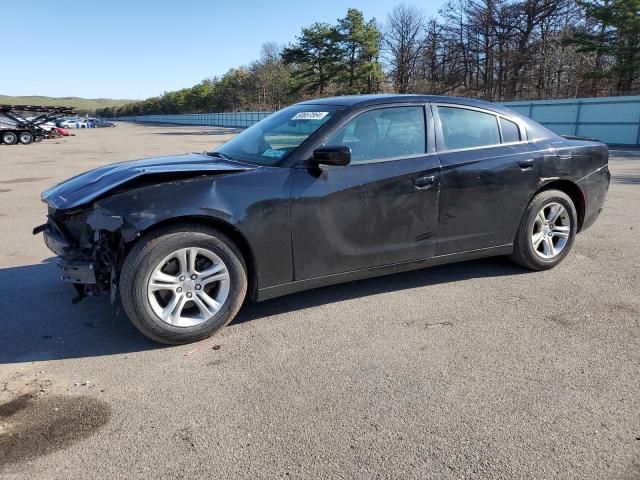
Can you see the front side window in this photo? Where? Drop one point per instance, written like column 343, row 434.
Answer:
column 463, row 128
column 272, row 139
column 383, row 133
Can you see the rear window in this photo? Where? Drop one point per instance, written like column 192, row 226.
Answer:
column 463, row 128
column 510, row 131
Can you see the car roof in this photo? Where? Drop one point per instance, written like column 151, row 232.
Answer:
column 352, row 101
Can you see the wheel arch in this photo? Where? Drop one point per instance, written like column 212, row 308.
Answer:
column 571, row 189
column 229, row 230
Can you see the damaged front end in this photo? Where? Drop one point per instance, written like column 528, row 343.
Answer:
column 88, row 253
column 94, row 217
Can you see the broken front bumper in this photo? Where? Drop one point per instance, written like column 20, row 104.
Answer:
column 77, row 271
column 55, row 242
column 71, row 270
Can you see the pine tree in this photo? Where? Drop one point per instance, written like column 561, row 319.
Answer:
column 315, row 56
column 616, row 35
column 359, row 44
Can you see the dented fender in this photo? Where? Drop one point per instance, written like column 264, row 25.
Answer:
column 254, row 203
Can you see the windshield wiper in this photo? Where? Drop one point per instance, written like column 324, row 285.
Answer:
column 221, row 155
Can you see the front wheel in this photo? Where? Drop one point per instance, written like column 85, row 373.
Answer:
column 547, row 231
column 183, row 284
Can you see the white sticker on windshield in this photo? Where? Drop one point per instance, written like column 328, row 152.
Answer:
column 309, row 115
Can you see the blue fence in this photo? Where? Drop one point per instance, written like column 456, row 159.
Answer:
column 234, row 119
column 614, row 120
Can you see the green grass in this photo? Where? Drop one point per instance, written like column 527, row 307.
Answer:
column 83, row 104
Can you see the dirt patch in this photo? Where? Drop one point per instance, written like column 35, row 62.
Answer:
column 185, row 435
column 14, row 406
column 36, row 161
column 438, row 324
column 24, row 180
column 562, row 320
column 623, row 308
column 214, row 363
column 4, row 190
column 32, row 426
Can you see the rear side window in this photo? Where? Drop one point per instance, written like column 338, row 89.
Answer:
column 383, row 133
column 462, row 128
column 510, row 131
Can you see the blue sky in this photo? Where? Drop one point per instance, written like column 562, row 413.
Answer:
column 140, row 48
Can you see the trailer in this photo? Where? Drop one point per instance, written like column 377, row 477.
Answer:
column 26, row 124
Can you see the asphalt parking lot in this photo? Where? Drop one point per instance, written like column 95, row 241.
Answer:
column 473, row 370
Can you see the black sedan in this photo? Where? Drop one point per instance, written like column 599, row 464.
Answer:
column 322, row 192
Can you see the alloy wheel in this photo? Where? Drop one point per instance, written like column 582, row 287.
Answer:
column 550, row 231
column 188, row 287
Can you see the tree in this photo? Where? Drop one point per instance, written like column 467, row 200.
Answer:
column 359, row 45
column 614, row 33
column 272, row 79
column 199, row 98
column 315, row 58
column 530, row 16
column 403, row 42
column 490, row 49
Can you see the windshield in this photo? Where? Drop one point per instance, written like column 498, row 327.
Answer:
column 271, row 139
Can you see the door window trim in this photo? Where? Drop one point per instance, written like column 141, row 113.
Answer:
column 440, row 146
column 429, row 125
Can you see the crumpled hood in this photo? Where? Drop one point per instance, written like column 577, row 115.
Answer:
column 88, row 186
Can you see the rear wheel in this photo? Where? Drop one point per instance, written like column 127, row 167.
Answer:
column 10, row 138
column 26, row 138
column 183, row 284
column 547, row 231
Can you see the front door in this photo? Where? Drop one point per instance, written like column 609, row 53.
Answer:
column 381, row 209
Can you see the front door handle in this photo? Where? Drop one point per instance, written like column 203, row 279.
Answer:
column 425, row 182
column 526, row 164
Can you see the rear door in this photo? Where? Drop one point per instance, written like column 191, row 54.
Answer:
column 489, row 173
column 381, row 209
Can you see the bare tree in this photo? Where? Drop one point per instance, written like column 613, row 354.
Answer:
column 403, row 41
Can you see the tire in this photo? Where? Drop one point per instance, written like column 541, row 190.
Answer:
column 26, row 138
column 146, row 259
column 9, row 138
column 542, row 242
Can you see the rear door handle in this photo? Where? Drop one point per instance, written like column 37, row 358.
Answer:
column 425, row 182
column 526, row 164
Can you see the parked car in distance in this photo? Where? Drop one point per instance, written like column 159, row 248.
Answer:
column 101, row 123
column 322, row 192
column 73, row 123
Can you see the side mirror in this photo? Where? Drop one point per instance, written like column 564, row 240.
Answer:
column 332, row 155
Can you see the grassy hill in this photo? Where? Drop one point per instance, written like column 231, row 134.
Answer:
column 89, row 104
